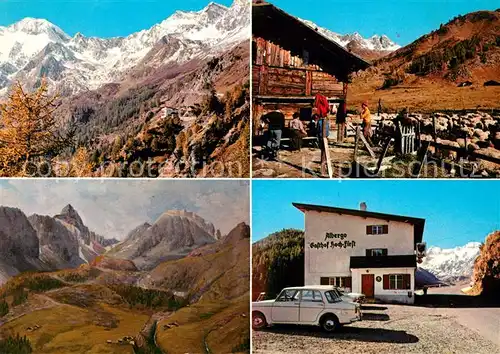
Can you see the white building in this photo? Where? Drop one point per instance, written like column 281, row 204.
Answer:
column 362, row 251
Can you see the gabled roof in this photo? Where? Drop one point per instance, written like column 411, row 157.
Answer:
column 279, row 27
column 404, row 261
column 418, row 223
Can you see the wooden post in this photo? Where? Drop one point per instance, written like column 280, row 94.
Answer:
column 384, row 152
column 422, row 157
column 356, row 141
column 325, row 153
column 401, row 139
column 363, row 139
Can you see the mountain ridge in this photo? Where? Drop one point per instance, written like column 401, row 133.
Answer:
column 74, row 64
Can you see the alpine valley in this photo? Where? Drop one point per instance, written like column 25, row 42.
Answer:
column 68, row 289
column 174, row 95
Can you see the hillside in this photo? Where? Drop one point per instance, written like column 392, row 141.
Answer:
column 486, row 275
column 277, row 262
column 109, row 306
column 215, row 279
column 466, row 49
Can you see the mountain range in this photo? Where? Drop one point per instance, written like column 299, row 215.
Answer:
column 32, row 48
column 63, row 241
column 114, row 93
column 369, row 48
column 451, row 264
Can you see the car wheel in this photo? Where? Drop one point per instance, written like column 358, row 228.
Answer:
column 330, row 323
column 258, row 321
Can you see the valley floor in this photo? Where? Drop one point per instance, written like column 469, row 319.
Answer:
column 392, row 329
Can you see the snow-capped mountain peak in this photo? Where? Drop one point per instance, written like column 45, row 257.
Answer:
column 375, row 42
column 37, row 26
column 451, row 263
column 34, row 47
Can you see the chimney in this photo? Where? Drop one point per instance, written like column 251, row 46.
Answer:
column 362, row 206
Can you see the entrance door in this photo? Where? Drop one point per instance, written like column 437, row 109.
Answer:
column 368, row 284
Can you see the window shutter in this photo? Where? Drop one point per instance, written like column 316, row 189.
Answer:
column 385, row 229
column 386, row 281
column 407, row 281
column 348, row 282
column 384, row 252
column 369, row 230
column 324, row 281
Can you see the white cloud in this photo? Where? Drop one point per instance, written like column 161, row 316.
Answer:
column 113, row 208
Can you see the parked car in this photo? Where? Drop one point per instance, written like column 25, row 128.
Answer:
column 306, row 305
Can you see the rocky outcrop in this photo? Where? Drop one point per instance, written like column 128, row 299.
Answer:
column 91, row 244
column 59, row 246
column 19, row 244
column 174, row 235
column 114, row 264
column 486, row 275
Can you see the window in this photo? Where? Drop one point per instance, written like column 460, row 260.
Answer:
column 332, row 296
column 376, row 252
column 311, row 296
column 288, row 295
column 377, row 229
column 397, row 281
column 340, row 282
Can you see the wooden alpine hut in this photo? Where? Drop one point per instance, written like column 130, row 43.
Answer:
column 292, row 62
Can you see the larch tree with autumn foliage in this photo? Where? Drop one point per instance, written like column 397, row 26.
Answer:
column 29, row 134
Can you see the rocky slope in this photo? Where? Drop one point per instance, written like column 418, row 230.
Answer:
column 215, row 279
column 19, row 244
column 173, row 235
column 42, row 242
column 35, row 47
column 452, row 67
column 59, row 246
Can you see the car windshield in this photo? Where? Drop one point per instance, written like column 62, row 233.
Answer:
column 332, row 296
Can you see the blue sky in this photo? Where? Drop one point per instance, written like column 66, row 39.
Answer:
column 456, row 212
column 101, row 18
column 403, row 21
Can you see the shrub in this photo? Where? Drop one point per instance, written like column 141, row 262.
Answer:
column 20, row 297
column 389, row 82
column 148, row 298
column 4, row 308
column 16, row 345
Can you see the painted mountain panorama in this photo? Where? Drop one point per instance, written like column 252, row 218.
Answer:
column 169, row 100
column 124, row 266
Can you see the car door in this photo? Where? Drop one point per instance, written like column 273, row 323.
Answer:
column 311, row 305
column 286, row 307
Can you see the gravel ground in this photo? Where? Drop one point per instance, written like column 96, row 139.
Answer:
column 384, row 329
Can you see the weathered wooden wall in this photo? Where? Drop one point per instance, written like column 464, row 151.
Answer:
column 275, row 72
